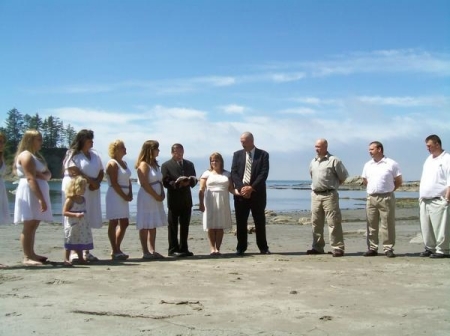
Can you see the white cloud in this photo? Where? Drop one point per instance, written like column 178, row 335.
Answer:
column 233, row 109
column 281, row 134
column 405, row 101
column 318, row 101
column 378, row 61
column 298, row 110
column 215, row 80
column 287, row 77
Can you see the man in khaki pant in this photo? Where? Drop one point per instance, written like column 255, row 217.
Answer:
column 382, row 177
column 327, row 173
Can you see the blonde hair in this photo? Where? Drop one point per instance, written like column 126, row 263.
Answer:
column 146, row 154
column 26, row 144
column 113, row 147
column 75, row 186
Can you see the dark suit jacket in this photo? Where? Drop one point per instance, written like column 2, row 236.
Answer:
column 260, row 171
column 178, row 198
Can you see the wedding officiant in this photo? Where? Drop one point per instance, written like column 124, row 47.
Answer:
column 179, row 178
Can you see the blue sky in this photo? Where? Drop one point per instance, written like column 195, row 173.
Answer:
column 203, row 72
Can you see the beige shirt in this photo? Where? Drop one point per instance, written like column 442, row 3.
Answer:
column 327, row 173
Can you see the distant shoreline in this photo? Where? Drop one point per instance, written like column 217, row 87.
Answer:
column 352, row 183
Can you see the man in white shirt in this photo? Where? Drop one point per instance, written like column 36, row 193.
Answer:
column 382, row 177
column 434, row 200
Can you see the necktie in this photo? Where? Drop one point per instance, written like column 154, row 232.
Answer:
column 248, row 168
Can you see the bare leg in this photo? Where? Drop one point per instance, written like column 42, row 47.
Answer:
column 212, row 240
column 67, row 256
column 27, row 240
column 152, row 239
column 37, row 256
column 219, row 238
column 143, row 234
column 81, row 259
column 67, row 261
column 120, row 232
column 112, row 227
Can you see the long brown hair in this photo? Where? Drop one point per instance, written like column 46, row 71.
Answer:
column 146, row 154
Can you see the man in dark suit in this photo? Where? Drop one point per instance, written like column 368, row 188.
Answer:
column 179, row 178
column 249, row 171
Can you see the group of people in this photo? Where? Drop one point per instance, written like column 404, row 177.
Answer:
column 382, row 176
column 84, row 173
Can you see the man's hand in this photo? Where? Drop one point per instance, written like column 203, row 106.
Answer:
column 246, row 191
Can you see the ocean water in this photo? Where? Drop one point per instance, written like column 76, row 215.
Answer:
column 282, row 196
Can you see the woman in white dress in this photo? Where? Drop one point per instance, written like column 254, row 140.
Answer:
column 215, row 186
column 150, row 207
column 82, row 160
column 5, row 217
column 118, row 196
column 32, row 203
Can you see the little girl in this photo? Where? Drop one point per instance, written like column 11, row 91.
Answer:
column 77, row 233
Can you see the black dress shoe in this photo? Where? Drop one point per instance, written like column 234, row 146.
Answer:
column 239, row 253
column 313, row 251
column 426, row 253
column 370, row 253
column 390, row 254
column 437, row 255
column 184, row 254
column 265, row 252
column 338, row 253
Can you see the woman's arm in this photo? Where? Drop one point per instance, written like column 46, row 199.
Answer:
column 46, row 175
column 142, row 172
column 201, row 194
column 231, row 188
column 29, row 168
column 112, row 169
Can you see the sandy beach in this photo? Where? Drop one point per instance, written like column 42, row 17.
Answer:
column 285, row 293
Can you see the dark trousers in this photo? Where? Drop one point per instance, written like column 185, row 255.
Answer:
column 184, row 218
column 242, row 208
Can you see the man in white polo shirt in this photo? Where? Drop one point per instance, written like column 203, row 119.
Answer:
column 382, row 177
column 434, row 200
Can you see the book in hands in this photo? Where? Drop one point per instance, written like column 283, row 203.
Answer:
column 185, row 178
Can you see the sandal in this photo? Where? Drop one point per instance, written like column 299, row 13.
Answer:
column 148, row 256
column 42, row 259
column 154, row 255
column 119, row 256
column 67, row 264
column 90, row 257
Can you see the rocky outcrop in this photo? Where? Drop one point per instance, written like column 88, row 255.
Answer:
column 356, row 183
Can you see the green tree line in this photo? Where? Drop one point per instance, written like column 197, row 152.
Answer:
column 56, row 137
column 54, row 133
